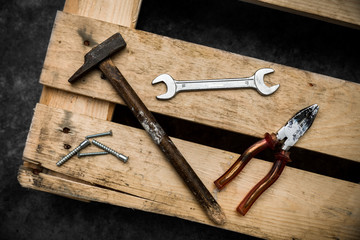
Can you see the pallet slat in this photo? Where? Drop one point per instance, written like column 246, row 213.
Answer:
column 336, row 130
column 123, row 12
column 346, row 13
column 299, row 205
column 77, row 103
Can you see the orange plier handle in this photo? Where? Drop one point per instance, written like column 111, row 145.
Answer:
column 281, row 158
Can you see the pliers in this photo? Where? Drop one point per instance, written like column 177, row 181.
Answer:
column 280, row 143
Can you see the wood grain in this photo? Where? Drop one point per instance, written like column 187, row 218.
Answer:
column 123, row 12
column 77, row 103
column 346, row 13
column 163, row 142
column 336, row 130
column 300, row 205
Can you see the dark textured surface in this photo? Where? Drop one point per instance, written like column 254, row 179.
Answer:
column 25, row 27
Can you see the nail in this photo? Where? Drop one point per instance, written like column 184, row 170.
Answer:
column 111, row 151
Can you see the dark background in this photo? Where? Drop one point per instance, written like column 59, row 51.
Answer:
column 25, row 28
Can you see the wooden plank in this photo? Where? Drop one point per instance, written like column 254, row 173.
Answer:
column 299, row 205
column 123, row 12
column 346, row 13
column 336, row 130
column 75, row 190
column 77, row 103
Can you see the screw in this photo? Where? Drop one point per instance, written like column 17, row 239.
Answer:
column 91, row 154
column 100, row 134
column 82, row 145
column 109, row 150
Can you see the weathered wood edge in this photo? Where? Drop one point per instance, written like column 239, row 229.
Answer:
column 324, row 206
column 336, row 130
column 88, row 192
column 344, row 13
column 122, row 12
column 79, row 103
column 29, row 160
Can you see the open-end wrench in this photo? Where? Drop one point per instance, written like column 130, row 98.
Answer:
column 256, row 81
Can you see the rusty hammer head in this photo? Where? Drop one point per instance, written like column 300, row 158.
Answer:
column 98, row 54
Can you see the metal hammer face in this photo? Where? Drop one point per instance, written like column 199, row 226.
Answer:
column 98, row 54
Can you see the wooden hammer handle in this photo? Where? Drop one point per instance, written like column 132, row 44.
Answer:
column 147, row 120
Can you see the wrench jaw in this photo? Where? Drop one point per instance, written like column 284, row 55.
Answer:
column 260, row 84
column 170, row 85
column 269, row 90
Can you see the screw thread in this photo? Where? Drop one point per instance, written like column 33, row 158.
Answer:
column 91, row 154
column 100, row 134
column 111, row 151
column 82, row 145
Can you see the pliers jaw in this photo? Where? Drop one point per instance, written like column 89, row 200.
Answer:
column 297, row 126
column 281, row 142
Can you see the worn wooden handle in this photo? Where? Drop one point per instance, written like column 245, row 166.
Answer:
column 268, row 142
column 281, row 159
column 160, row 138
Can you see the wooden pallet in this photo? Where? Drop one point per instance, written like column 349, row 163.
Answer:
column 346, row 13
column 326, row 207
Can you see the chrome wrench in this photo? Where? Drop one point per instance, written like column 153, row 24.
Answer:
column 256, row 81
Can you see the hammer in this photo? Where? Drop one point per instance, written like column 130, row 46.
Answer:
column 100, row 57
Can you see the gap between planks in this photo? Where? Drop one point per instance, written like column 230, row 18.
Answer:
column 56, row 184
column 336, row 130
column 299, row 205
